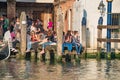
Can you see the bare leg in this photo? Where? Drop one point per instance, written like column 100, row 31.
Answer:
column 43, row 51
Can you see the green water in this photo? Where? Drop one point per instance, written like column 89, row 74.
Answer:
column 89, row 69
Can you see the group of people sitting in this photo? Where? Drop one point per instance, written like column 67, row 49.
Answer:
column 36, row 32
column 70, row 40
column 49, row 37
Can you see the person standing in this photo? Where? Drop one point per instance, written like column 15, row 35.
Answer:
column 7, row 36
column 39, row 25
column 17, row 25
column 50, row 24
column 5, row 24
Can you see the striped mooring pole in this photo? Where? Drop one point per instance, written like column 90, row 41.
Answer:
column 109, row 22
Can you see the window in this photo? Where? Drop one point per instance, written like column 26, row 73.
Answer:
column 116, row 21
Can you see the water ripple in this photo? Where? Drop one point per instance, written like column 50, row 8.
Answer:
column 90, row 69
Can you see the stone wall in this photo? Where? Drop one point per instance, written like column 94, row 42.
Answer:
column 66, row 6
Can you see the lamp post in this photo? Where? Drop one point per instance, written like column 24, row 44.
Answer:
column 109, row 22
column 102, row 9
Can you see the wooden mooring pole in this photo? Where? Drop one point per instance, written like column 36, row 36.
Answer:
column 59, row 32
column 11, row 9
column 23, row 32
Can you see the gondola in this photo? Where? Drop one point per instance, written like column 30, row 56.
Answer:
column 5, row 51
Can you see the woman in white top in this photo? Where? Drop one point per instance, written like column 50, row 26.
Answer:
column 33, row 28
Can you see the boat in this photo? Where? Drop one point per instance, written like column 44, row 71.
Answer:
column 4, row 51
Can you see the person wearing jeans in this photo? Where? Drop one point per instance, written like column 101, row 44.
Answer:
column 76, row 42
column 68, row 45
column 45, row 43
column 78, row 47
column 67, row 42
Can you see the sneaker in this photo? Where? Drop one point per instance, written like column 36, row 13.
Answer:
column 15, row 51
column 53, row 44
column 12, row 49
column 27, row 51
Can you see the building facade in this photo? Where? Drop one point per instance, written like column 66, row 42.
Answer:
column 89, row 9
column 73, row 12
column 42, row 9
column 66, row 10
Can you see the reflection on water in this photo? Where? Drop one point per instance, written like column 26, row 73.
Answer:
column 89, row 69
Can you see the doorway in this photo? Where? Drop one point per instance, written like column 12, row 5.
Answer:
column 36, row 15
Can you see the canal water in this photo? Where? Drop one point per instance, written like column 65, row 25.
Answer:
column 89, row 69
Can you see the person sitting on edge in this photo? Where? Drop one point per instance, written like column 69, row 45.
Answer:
column 45, row 43
column 67, row 43
column 76, row 42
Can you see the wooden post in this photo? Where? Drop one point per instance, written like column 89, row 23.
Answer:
column 84, row 37
column 23, row 32
column 99, row 42
column 11, row 9
column 59, row 31
column 84, row 42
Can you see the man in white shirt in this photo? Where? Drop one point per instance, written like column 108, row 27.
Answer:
column 7, row 36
